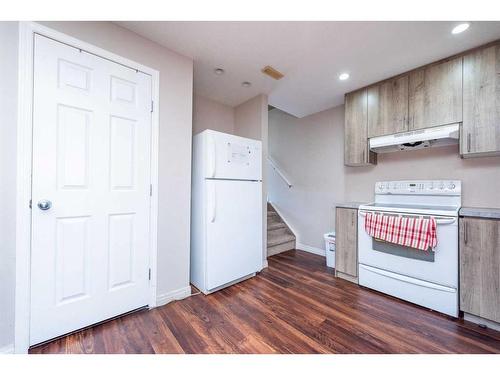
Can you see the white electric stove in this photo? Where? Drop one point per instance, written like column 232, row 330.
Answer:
column 427, row 278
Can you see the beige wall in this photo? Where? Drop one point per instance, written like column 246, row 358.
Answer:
column 248, row 118
column 307, row 151
column 176, row 92
column 251, row 121
column 8, row 118
column 209, row 114
column 310, row 150
column 480, row 177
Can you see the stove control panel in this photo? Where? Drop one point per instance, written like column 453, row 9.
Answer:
column 420, row 187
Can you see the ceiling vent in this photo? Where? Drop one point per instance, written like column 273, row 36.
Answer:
column 271, row 72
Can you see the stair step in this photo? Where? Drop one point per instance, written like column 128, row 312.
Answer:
column 275, row 224
column 274, row 219
column 278, row 232
column 279, row 237
column 274, row 239
column 273, row 250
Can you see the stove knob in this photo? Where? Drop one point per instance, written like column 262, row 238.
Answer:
column 451, row 186
column 441, row 186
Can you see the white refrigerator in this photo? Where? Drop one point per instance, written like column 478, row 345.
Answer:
column 226, row 210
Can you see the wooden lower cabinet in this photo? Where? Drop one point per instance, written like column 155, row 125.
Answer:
column 480, row 267
column 346, row 251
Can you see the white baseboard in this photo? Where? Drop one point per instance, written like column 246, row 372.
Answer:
column 265, row 264
column 310, row 249
column 174, row 295
column 478, row 320
column 7, row 349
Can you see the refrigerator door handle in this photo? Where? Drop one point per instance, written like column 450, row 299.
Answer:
column 214, row 204
column 211, row 156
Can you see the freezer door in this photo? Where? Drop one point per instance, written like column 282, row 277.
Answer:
column 234, row 230
column 231, row 157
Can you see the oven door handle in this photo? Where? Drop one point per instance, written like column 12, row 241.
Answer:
column 438, row 221
column 446, row 221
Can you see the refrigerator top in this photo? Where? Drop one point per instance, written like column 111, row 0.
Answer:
column 230, row 157
column 236, row 138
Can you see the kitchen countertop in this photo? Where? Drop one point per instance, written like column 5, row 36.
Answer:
column 486, row 213
column 354, row 205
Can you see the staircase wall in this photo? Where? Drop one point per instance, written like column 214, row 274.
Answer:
column 307, row 150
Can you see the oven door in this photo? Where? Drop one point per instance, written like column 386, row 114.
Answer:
column 439, row 266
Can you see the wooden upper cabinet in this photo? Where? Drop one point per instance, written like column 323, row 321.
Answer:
column 356, row 151
column 435, row 95
column 481, row 122
column 388, row 107
column 480, row 267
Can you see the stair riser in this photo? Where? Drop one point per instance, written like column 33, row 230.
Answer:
column 273, row 241
column 273, row 250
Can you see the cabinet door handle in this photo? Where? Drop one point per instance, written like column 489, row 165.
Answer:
column 468, row 142
column 466, row 239
column 364, row 159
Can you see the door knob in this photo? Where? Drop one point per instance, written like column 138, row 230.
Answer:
column 44, row 204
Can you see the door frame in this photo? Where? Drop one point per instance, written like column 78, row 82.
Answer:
column 27, row 31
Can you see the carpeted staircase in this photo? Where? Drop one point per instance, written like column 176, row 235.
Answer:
column 279, row 237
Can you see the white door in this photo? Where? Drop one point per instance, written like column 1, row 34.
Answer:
column 234, row 230
column 91, row 160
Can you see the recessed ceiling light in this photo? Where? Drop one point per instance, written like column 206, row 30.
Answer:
column 246, row 84
column 344, row 76
column 219, row 71
column 460, row 28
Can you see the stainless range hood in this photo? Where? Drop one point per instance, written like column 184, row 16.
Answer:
column 445, row 135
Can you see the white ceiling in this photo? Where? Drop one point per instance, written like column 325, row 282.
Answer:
column 310, row 54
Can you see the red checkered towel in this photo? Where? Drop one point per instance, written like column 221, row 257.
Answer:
column 413, row 232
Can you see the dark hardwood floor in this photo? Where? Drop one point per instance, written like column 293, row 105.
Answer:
column 294, row 306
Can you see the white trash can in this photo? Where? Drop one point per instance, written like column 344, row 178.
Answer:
column 330, row 249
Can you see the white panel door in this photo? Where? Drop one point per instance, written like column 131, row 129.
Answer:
column 234, row 230
column 91, row 160
column 232, row 157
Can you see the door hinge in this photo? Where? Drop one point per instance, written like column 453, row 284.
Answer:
column 152, row 106
column 150, row 190
column 149, row 275
column 30, row 203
